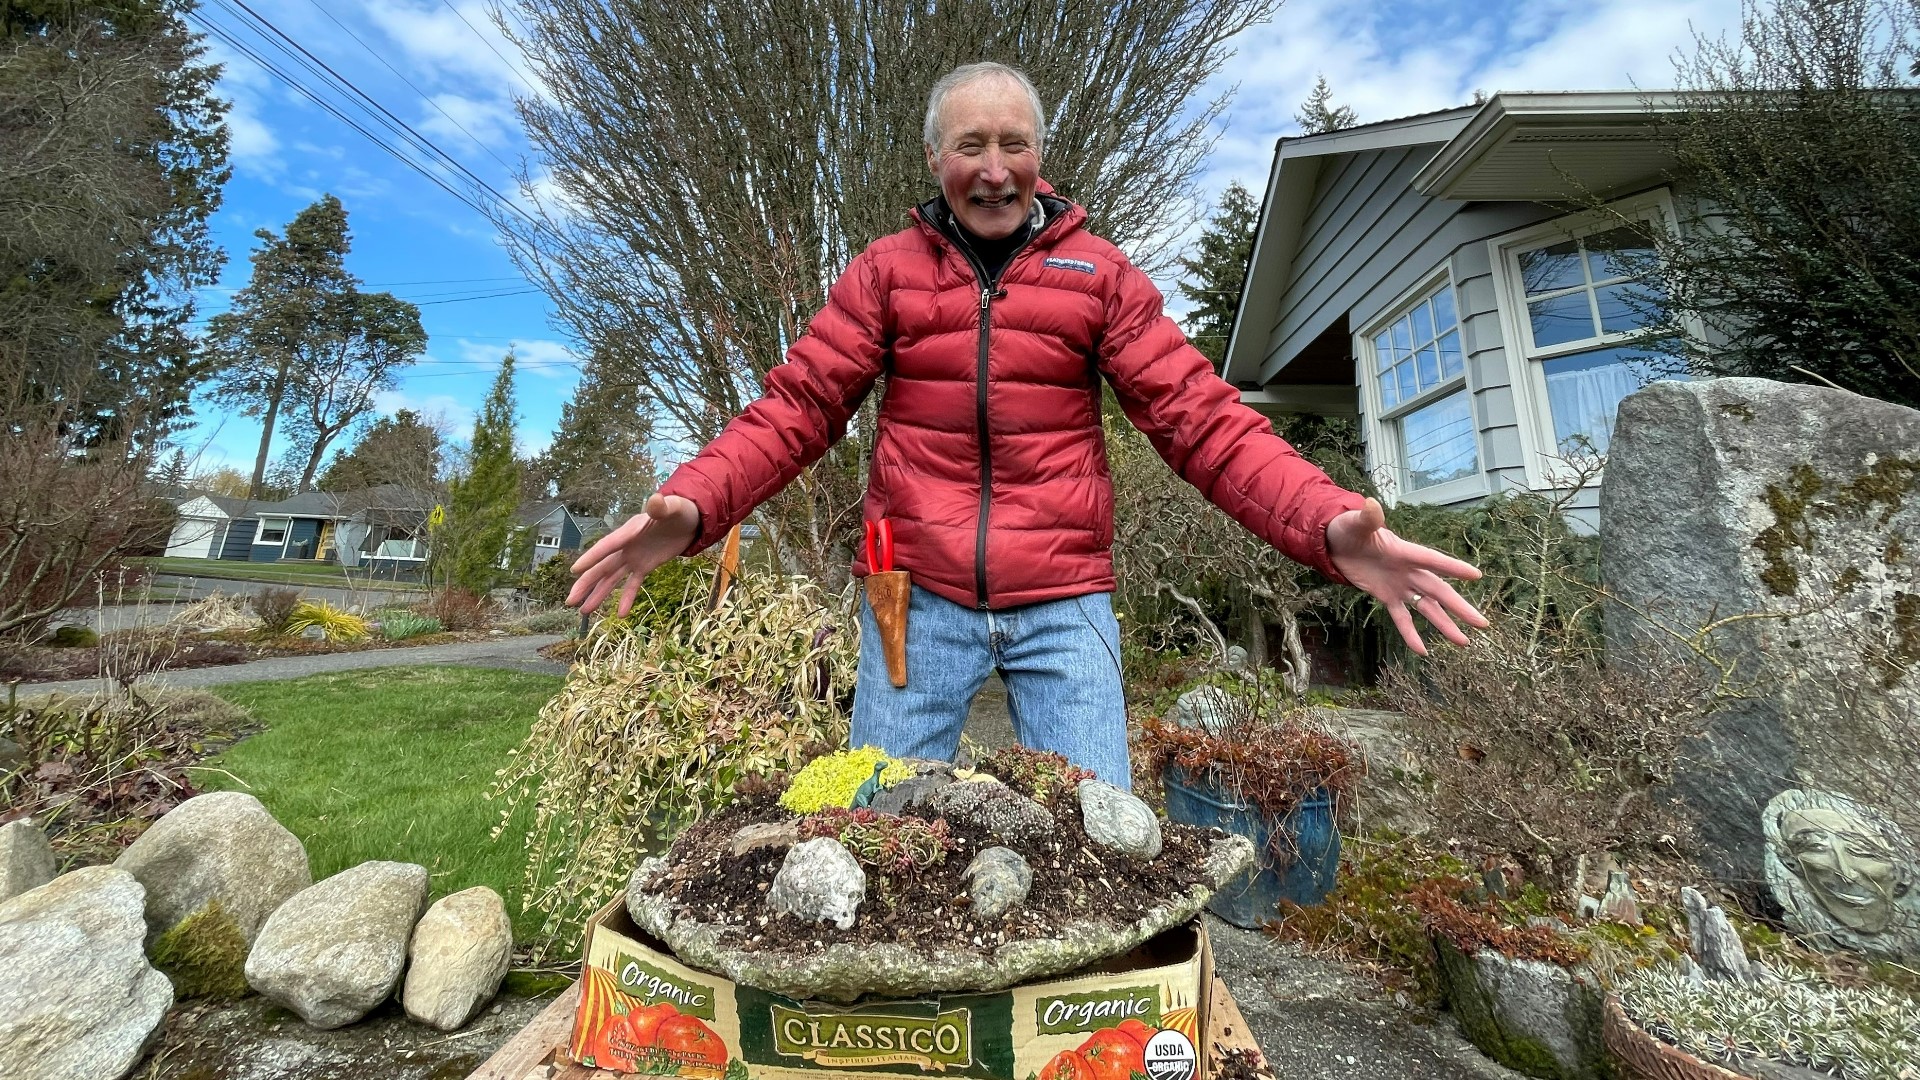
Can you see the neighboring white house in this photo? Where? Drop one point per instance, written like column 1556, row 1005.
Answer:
column 204, row 524
column 1447, row 280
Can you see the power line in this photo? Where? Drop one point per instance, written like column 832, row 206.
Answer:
column 410, row 85
column 489, row 44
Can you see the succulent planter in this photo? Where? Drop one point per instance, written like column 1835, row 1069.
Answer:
column 1645, row 1056
column 1296, row 861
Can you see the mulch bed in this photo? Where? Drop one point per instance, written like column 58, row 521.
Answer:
column 1074, row 880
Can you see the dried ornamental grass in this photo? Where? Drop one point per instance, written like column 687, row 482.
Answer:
column 655, row 726
column 217, row 612
column 1871, row 1033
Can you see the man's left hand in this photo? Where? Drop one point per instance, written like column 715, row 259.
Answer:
column 1401, row 575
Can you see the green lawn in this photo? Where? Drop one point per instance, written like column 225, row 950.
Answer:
column 272, row 573
column 391, row 763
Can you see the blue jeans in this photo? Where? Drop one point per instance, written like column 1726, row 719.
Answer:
column 1060, row 660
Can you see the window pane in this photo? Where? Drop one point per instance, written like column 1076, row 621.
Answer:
column 1402, row 341
column 1443, row 314
column 1627, row 306
column 1437, row 443
column 1560, row 320
column 1389, row 390
column 1429, row 368
column 1383, row 352
column 1618, row 253
column 1550, row 268
column 1404, row 370
column 1451, row 361
column 1584, row 389
column 1423, row 324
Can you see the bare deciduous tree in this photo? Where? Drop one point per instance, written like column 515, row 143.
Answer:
column 706, row 171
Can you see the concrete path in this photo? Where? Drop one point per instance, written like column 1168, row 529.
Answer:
column 513, row 652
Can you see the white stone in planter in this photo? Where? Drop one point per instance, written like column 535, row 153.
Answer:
column 335, row 950
column 820, row 881
column 1119, row 820
column 79, row 1000
column 26, row 859
column 458, row 956
column 220, row 846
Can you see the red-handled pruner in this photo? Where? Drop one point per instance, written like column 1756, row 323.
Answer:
column 880, row 560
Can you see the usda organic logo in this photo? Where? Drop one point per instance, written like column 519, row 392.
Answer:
column 1170, row 1056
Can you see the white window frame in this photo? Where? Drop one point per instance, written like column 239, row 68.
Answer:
column 1382, row 433
column 260, row 534
column 1543, row 468
column 547, row 540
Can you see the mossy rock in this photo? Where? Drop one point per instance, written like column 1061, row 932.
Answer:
column 74, row 637
column 1528, row 1015
column 205, row 956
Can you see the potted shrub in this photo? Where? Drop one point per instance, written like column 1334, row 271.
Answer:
column 1283, row 783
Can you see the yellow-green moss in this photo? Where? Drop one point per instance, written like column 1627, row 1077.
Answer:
column 836, row 779
column 534, row 983
column 1883, row 487
column 205, row 955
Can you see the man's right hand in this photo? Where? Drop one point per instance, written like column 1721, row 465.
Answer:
column 629, row 553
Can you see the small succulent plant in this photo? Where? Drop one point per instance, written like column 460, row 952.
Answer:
column 1856, row 1034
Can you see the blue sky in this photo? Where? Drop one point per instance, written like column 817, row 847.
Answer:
column 440, row 66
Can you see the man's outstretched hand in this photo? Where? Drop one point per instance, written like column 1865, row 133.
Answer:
column 629, row 553
column 1401, row 574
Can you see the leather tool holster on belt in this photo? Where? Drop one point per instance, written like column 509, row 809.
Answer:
column 888, row 593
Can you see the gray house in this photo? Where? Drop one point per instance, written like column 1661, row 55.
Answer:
column 1461, row 283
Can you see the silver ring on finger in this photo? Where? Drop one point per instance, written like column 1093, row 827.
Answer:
column 1414, row 600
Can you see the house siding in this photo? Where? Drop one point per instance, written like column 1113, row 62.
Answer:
column 1368, row 241
column 238, row 544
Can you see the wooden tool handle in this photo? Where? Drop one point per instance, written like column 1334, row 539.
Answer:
column 888, row 593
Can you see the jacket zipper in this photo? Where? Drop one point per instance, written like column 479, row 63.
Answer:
column 987, row 292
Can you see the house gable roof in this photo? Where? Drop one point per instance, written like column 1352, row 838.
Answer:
column 1516, row 146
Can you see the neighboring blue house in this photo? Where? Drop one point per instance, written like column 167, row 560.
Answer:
column 555, row 529
column 1445, row 280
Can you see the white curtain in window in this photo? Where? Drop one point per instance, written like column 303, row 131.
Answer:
column 1584, row 390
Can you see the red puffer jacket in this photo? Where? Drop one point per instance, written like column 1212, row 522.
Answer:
column 990, row 460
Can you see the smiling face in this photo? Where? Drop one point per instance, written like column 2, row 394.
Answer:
column 1851, row 870
column 988, row 160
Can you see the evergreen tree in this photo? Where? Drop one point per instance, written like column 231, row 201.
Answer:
column 400, row 449
column 481, row 503
column 600, row 460
column 1318, row 115
column 1217, row 271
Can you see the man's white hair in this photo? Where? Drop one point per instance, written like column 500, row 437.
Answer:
column 967, row 74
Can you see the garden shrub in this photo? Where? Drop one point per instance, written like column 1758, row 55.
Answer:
column 557, row 620
column 333, row 623
column 401, row 624
column 668, row 595
column 549, row 582
column 73, row 636
column 216, row 612
column 275, row 608
column 458, row 609
column 653, row 729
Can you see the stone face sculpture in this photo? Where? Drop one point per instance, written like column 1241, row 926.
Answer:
column 1843, row 873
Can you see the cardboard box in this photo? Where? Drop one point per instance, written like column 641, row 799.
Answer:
column 642, row 1011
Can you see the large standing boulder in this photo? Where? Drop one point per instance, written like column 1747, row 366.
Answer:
column 79, row 999
column 1800, row 504
column 26, row 859
column 335, row 950
column 458, row 956
column 222, row 846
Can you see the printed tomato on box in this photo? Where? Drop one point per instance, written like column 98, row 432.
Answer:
column 616, row 1030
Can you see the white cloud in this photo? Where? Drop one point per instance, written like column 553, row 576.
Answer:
column 250, row 142
column 456, row 49
column 444, row 412
column 450, row 117
column 552, row 359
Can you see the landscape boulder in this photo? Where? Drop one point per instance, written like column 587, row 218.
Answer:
column 222, row 846
column 459, row 955
column 26, row 859
column 1529, row 1015
column 335, row 949
column 79, row 1000
column 1798, row 504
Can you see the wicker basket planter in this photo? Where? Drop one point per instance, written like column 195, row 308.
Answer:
column 1647, row 1057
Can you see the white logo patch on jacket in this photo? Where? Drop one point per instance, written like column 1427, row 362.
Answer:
column 1058, row 263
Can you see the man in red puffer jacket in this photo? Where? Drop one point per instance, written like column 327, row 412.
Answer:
column 994, row 317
